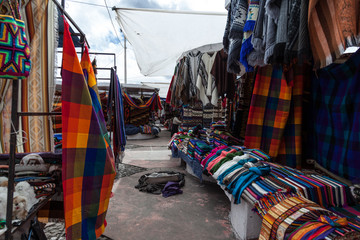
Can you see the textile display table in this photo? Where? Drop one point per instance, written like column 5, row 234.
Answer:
column 245, row 222
column 260, row 197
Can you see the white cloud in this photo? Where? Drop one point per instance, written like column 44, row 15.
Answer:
column 96, row 24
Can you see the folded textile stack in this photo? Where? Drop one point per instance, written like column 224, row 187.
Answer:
column 201, row 150
column 208, row 116
column 219, row 125
column 203, row 135
column 4, row 169
column 240, row 174
column 42, row 176
column 32, row 168
column 321, row 189
column 180, row 142
column 146, row 129
column 351, row 213
column 192, row 116
column 199, row 132
column 191, row 149
column 300, row 218
column 44, row 189
column 186, row 123
column 217, row 155
column 58, row 140
column 222, row 138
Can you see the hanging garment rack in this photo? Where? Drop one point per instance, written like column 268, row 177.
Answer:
column 15, row 120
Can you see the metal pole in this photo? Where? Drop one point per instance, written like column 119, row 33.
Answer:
column 63, row 3
column 11, row 175
column 125, row 73
column 70, row 19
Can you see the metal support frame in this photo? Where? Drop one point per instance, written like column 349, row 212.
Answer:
column 125, row 64
column 71, row 20
column 99, row 53
column 38, row 113
column 11, row 174
column 14, row 128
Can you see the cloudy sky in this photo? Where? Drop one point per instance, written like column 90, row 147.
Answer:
column 104, row 35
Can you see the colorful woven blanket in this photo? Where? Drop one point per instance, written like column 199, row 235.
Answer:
column 87, row 161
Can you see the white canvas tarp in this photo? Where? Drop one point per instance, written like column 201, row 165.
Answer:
column 160, row 37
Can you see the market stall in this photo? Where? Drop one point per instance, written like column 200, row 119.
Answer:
column 288, row 105
column 142, row 106
column 35, row 175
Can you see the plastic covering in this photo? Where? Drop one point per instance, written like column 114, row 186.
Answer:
column 159, row 37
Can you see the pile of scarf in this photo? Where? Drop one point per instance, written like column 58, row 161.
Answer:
column 352, row 213
column 191, row 149
column 234, row 170
column 323, row 190
column 300, row 218
column 223, row 138
column 201, row 150
column 320, row 189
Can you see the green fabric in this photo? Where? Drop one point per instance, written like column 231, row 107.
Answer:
column 204, row 146
column 228, row 157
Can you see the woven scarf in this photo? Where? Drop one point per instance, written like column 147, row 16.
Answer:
column 252, row 172
column 319, row 229
column 119, row 137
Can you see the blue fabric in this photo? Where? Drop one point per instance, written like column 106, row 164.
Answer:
column 131, row 129
column 245, row 179
column 335, row 118
column 239, row 164
column 193, row 164
column 170, row 189
column 246, row 49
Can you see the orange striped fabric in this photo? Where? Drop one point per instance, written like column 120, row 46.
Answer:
column 333, row 27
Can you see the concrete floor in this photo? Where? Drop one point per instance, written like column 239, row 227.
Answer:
column 201, row 212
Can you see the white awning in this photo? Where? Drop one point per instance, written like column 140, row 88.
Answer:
column 160, row 37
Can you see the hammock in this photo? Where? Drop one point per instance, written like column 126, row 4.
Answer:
column 154, row 102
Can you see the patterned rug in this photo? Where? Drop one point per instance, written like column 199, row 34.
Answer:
column 125, row 170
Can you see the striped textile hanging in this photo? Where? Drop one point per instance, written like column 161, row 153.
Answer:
column 87, row 161
column 119, row 139
column 132, row 103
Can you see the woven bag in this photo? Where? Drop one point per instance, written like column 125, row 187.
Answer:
column 14, row 49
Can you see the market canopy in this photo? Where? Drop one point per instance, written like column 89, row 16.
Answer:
column 159, row 37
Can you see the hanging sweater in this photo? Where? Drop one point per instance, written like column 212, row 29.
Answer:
column 225, row 81
column 204, row 83
column 193, row 59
